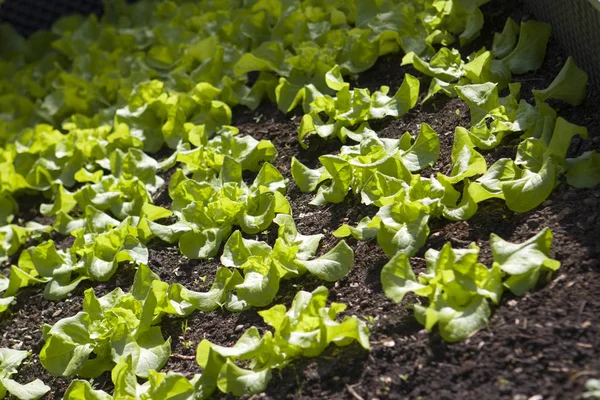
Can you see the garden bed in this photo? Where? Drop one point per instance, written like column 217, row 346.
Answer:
column 545, row 343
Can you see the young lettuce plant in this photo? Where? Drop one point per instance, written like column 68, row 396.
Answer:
column 169, row 386
column 524, row 263
column 13, row 236
column 93, row 255
column 10, row 360
column 458, row 288
column 353, row 107
column 375, row 168
column 527, row 181
column 305, row 330
column 381, row 171
column 292, row 256
column 208, row 210
column 517, row 50
column 119, row 324
column 456, row 285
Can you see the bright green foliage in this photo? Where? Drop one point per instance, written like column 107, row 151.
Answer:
column 9, row 362
column 466, row 161
column 584, row 171
column 119, row 325
column 569, row 85
column 262, row 267
column 95, row 255
column 169, row 386
column 524, row 262
column 455, row 284
column 13, row 236
column 403, row 227
column 154, row 74
column 109, row 328
column 529, row 180
column 458, row 288
column 505, row 42
column 528, row 55
column 376, row 168
column 209, row 209
column 84, row 104
column 352, row 107
column 363, row 231
column 305, row 330
column 381, row 171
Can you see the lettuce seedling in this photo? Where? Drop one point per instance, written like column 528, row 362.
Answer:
column 305, row 330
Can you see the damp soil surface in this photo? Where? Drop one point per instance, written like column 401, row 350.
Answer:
column 544, row 345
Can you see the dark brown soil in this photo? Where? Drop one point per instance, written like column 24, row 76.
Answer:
column 544, row 345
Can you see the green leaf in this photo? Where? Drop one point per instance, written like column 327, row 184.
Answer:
column 466, row 161
column 505, row 42
column 489, row 185
column 237, row 250
column 269, row 56
column 530, row 51
column 124, row 379
column 64, row 201
column 460, row 324
column 530, row 189
column 239, row 381
column 307, row 244
column 46, row 260
column 524, row 261
column 202, row 244
column 259, row 289
column 20, row 279
column 341, row 176
column 288, row 95
column 169, row 233
column 398, row 278
column 10, row 360
column 334, row 265
column 68, row 347
column 445, row 65
column 82, row 390
column 363, row 230
column 172, row 386
column 424, row 152
column 148, row 352
column 405, row 99
column 569, row 85
column 584, row 171
column 561, row 138
column 307, row 179
column 335, row 80
column 31, row 391
column 481, row 99
column 464, row 210
column 403, row 228
column 5, row 303
column 259, row 214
